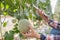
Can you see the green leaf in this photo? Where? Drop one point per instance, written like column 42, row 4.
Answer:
column 5, row 13
column 4, row 24
column 6, row 36
column 2, row 6
column 9, row 36
column 7, row 7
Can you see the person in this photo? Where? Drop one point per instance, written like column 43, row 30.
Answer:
column 54, row 24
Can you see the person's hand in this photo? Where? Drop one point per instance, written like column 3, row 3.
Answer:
column 31, row 33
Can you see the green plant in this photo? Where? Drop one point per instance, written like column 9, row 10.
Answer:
column 22, row 9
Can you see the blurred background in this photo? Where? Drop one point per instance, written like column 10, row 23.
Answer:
column 11, row 11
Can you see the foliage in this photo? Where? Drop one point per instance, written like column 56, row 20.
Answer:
column 21, row 9
column 57, row 11
column 10, row 35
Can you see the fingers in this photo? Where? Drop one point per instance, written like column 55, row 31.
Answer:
column 26, row 34
column 31, row 28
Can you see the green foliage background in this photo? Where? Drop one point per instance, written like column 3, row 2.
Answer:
column 22, row 9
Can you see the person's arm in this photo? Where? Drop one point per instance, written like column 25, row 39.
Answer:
column 42, row 14
column 34, row 34
column 42, row 37
column 51, row 23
